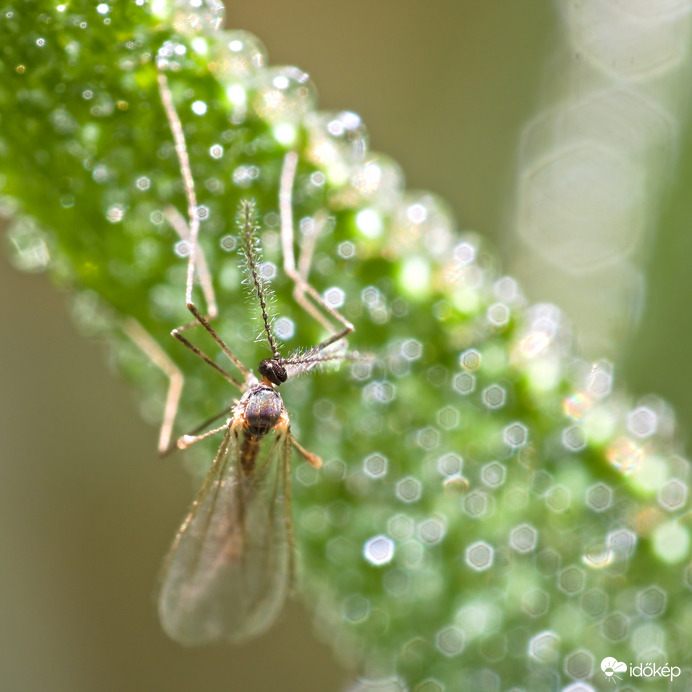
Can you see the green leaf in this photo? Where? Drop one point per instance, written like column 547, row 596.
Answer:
column 490, row 514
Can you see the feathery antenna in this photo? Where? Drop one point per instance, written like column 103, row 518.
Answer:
column 253, row 258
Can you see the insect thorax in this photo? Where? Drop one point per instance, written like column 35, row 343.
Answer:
column 263, row 408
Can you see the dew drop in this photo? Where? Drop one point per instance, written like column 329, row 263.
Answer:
column 284, row 328
column 244, row 176
column 228, row 243
column 170, row 56
column 336, row 142
column 409, row 489
column 115, row 213
column 346, row 249
column 267, row 270
column 199, row 107
column 464, row 253
column 156, row 217
column 422, row 220
column 334, row 297
column 375, row 465
column 284, row 95
column 378, row 181
column 379, row 550
column 197, row 16
column 236, row 56
column 479, row 556
column 381, row 392
column 370, row 223
column 28, row 246
column 182, row 248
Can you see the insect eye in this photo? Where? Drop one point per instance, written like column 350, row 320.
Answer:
column 273, row 371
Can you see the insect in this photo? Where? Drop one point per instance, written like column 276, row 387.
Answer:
column 230, row 567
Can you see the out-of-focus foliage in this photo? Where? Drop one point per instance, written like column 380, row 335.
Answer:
column 596, row 159
column 490, row 514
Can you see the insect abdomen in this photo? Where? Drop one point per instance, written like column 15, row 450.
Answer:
column 249, row 449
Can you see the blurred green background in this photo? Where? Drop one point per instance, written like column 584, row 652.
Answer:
column 87, row 508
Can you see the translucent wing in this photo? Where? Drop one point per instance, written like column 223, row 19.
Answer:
column 228, row 571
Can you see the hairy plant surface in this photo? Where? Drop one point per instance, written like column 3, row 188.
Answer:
column 491, row 512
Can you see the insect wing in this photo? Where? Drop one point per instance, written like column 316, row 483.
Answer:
column 229, row 568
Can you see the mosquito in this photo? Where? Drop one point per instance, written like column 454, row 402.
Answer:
column 231, row 564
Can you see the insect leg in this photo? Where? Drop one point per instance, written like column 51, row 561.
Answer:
column 302, row 288
column 185, row 441
column 159, row 357
column 190, row 232
column 179, row 225
column 150, row 347
column 311, row 458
